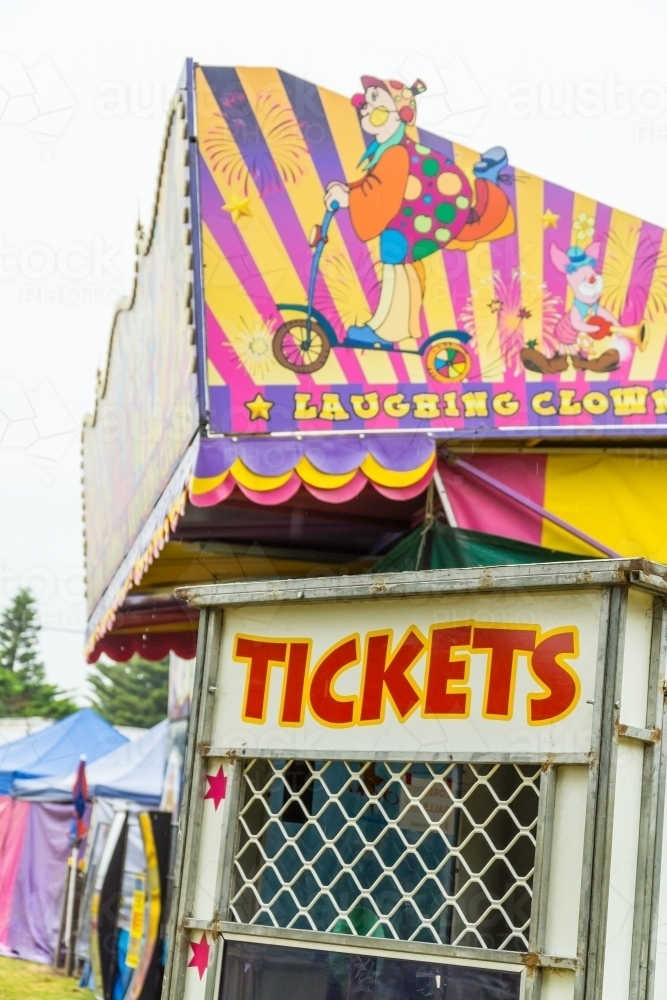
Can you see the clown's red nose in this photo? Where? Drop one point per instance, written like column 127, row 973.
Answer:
column 592, row 279
column 358, row 101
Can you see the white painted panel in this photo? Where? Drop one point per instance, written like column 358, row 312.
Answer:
column 625, row 842
column 326, row 625
column 197, row 977
column 211, row 839
column 567, row 852
column 661, row 941
column 557, row 984
column 637, row 651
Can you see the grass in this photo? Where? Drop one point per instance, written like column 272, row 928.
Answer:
column 29, row 981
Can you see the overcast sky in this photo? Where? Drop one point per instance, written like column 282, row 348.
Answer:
column 577, row 92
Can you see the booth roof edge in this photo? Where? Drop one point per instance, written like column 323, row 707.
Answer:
column 580, row 574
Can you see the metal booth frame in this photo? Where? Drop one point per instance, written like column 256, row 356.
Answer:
column 615, row 579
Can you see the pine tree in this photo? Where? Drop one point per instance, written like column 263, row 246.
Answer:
column 23, row 688
column 18, row 632
column 131, row 694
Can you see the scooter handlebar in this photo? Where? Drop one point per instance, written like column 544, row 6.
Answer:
column 334, row 206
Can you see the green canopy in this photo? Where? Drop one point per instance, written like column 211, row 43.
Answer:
column 437, row 546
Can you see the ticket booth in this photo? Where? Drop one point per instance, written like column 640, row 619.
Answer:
column 446, row 784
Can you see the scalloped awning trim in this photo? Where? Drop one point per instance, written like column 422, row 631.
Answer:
column 270, row 470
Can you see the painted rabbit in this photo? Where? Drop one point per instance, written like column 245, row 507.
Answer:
column 587, row 333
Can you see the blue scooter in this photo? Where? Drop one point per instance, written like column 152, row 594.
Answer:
column 304, row 343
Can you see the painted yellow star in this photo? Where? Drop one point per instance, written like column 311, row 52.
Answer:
column 259, row 407
column 550, row 219
column 237, row 208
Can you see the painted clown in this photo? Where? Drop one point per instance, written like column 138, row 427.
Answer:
column 417, row 202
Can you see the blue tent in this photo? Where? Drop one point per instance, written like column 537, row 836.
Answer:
column 134, row 771
column 57, row 749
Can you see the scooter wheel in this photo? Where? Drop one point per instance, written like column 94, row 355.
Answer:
column 294, row 349
column 447, row 360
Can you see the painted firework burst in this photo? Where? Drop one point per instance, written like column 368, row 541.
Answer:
column 261, row 144
column 635, row 284
column 351, row 284
column 253, row 346
column 501, row 307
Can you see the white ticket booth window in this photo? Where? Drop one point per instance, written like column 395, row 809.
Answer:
column 442, row 785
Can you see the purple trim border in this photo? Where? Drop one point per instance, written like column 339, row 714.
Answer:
column 196, row 228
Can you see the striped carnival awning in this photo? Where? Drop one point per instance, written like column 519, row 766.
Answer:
column 333, row 469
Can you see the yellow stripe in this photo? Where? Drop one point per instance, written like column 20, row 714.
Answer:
column 252, row 481
column 617, row 499
column 205, row 484
column 238, row 317
column 645, row 363
column 530, row 231
column 214, row 376
column 625, row 231
column 323, row 480
column 480, row 276
column 258, row 230
column 307, row 197
column 387, row 477
column 346, row 131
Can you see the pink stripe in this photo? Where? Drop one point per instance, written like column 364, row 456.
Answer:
column 13, row 820
column 223, row 355
column 480, row 508
column 406, row 492
column 342, row 493
column 523, row 500
column 215, row 496
column 643, row 266
column 272, row 497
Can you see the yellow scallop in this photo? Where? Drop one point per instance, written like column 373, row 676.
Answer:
column 449, row 184
column 422, row 150
column 413, row 188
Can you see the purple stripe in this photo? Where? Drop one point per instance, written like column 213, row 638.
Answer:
column 219, row 401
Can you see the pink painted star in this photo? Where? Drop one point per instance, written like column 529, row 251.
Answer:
column 217, row 787
column 200, row 954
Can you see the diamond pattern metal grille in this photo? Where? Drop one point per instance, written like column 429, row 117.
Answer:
column 442, row 853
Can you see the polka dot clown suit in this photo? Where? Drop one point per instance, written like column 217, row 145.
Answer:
column 418, row 202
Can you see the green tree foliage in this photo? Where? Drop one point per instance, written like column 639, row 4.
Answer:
column 131, row 694
column 23, row 688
